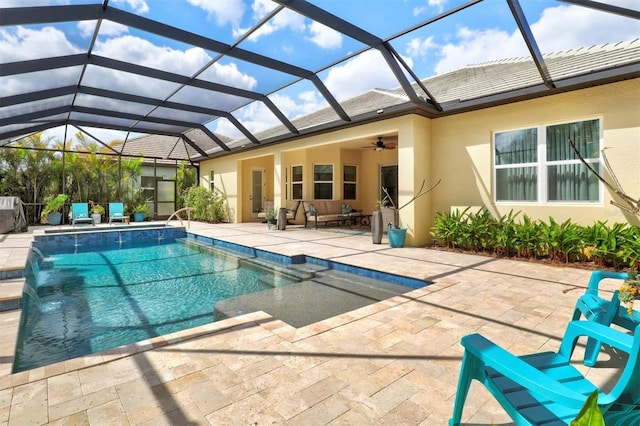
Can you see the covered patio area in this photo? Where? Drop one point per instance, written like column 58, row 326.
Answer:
column 395, row 361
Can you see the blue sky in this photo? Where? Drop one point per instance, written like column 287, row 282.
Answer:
column 483, row 32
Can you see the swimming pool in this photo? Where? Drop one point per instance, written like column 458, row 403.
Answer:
column 92, row 296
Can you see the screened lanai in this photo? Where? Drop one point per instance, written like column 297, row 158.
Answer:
column 183, row 81
column 225, row 76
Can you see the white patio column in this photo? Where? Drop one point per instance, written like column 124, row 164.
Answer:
column 278, row 181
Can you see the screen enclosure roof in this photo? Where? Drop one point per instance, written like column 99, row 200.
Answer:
column 199, row 80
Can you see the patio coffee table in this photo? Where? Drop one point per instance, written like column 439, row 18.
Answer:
column 355, row 218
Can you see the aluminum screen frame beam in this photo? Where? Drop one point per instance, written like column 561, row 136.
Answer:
column 532, row 45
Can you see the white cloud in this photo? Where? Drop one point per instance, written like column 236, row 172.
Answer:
column 417, row 11
column 421, row 47
column 25, row 43
column 439, row 4
column 475, row 46
column 325, row 37
column 137, row 50
column 360, row 74
column 310, row 101
column 229, row 74
column 222, row 126
column 262, row 8
column 285, row 19
column 305, row 103
column 138, row 6
column 105, row 135
column 222, row 11
column 568, row 27
column 255, row 117
column 559, row 28
column 22, row 44
column 107, row 28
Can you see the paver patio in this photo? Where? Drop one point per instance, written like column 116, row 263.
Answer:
column 393, row 362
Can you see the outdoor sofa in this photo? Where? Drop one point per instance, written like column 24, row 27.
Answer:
column 327, row 211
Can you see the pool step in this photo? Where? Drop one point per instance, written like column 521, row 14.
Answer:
column 11, row 294
column 307, row 302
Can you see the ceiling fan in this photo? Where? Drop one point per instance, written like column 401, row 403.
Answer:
column 380, row 146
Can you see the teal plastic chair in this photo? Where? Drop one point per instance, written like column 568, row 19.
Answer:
column 116, row 212
column 595, row 308
column 544, row 388
column 80, row 213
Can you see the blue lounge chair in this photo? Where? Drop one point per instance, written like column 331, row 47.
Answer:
column 603, row 311
column 116, row 212
column 544, row 388
column 80, row 213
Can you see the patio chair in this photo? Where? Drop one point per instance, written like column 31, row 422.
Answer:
column 80, row 213
column 603, row 311
column 116, row 212
column 544, row 388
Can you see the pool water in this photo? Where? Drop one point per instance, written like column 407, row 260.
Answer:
column 82, row 302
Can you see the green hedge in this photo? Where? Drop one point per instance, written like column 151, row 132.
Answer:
column 513, row 235
column 209, row 206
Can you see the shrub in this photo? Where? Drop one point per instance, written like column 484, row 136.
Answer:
column 616, row 246
column 209, row 206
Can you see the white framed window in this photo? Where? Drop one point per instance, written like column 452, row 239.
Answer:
column 349, row 182
column 537, row 164
column 296, row 182
column 323, row 181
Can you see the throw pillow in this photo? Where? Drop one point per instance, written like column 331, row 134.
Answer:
column 346, row 208
column 313, row 210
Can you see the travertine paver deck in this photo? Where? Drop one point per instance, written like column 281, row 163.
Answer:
column 394, row 362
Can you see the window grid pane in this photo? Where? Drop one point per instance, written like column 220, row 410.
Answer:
column 350, row 173
column 572, row 182
column 296, row 173
column 517, row 184
column 517, row 147
column 323, row 191
column 323, row 172
column 584, row 134
column 349, row 192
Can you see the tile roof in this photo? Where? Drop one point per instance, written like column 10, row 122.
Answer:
column 473, row 82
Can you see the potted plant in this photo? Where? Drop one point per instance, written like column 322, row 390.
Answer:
column 97, row 210
column 51, row 213
column 270, row 216
column 396, row 234
column 140, row 211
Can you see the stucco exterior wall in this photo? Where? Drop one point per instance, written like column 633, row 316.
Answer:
column 226, row 180
column 232, row 179
column 462, row 150
column 458, row 149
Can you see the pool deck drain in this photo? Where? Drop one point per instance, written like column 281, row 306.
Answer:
column 392, row 362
